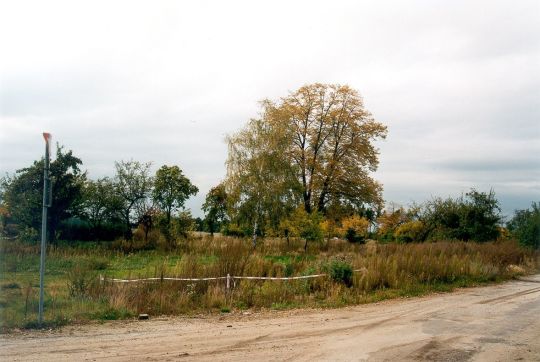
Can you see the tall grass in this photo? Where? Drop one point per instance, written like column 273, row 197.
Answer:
column 383, row 270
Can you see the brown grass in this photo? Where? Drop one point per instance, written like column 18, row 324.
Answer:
column 386, row 270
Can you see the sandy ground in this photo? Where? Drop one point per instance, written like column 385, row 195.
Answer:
column 495, row 323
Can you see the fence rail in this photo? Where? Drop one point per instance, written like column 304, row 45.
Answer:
column 229, row 278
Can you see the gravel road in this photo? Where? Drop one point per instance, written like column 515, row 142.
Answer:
column 494, row 323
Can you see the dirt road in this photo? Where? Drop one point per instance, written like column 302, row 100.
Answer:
column 495, row 323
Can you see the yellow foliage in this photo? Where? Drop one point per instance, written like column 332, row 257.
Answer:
column 329, row 228
column 389, row 221
column 410, row 231
column 359, row 224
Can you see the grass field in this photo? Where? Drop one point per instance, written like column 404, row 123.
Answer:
column 74, row 293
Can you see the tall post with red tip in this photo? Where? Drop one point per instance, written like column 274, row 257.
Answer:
column 47, row 199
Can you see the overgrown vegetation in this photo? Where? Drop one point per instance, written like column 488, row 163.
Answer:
column 298, row 199
column 75, row 294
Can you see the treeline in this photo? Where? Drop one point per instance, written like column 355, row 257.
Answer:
column 102, row 209
column 302, row 169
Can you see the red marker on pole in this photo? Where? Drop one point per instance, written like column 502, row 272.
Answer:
column 47, row 200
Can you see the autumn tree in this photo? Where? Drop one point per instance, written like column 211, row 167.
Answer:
column 314, row 147
column 330, row 144
column 260, row 182
column 133, row 184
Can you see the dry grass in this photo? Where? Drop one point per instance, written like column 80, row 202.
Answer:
column 398, row 269
column 387, row 270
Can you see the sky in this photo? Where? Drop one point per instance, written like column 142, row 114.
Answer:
column 457, row 84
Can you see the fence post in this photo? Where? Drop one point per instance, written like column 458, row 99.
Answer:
column 228, row 281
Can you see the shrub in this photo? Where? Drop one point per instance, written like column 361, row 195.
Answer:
column 96, row 263
column 475, row 216
column 79, row 280
column 233, row 230
column 525, row 226
column 341, row 271
column 355, row 229
column 410, row 231
column 111, row 314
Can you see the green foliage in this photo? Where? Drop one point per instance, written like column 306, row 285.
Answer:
column 101, row 206
column 171, row 190
column 525, row 226
column 341, row 271
column 80, row 279
column 111, row 314
column 47, row 324
column 215, row 208
column 133, row 184
column 473, row 217
column 232, row 229
column 22, row 192
column 304, row 225
column 260, row 183
column 183, row 224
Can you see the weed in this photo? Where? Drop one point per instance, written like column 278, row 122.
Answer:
column 110, row 314
column 341, row 271
column 73, row 291
column 11, row 285
column 46, row 324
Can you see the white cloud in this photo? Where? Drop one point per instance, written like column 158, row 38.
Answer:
column 165, row 81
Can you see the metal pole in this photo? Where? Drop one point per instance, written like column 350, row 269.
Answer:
column 46, row 204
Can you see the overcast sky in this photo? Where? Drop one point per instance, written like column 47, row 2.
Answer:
column 456, row 82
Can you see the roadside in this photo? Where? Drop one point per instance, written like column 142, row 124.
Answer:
column 494, row 323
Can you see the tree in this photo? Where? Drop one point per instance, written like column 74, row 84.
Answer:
column 302, row 224
column 260, row 183
column 101, row 202
column 171, row 190
column 475, row 216
column 330, row 144
column 215, row 207
column 481, row 217
column 22, row 192
column 133, row 184
column 525, row 225
column 390, row 220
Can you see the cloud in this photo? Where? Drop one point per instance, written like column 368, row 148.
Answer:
column 456, row 83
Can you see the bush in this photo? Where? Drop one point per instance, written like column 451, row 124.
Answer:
column 410, row 231
column 29, row 235
column 525, row 226
column 79, row 281
column 355, row 229
column 341, row 271
column 475, row 216
column 111, row 314
column 233, row 230
column 96, row 263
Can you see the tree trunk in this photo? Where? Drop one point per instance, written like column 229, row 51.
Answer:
column 128, row 234
column 254, row 241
